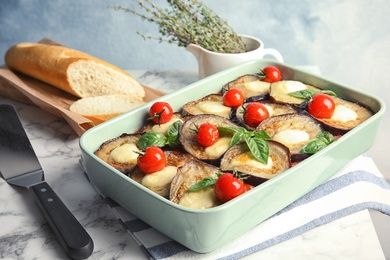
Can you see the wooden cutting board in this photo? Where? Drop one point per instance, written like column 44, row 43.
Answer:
column 19, row 87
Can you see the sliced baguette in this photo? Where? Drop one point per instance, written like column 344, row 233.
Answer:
column 102, row 108
column 72, row 71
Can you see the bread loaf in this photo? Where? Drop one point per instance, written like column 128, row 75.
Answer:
column 72, row 71
column 101, row 108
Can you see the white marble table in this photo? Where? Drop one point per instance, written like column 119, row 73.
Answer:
column 24, row 234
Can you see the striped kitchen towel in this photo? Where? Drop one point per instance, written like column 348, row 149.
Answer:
column 359, row 185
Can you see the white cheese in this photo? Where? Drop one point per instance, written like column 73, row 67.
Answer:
column 291, row 136
column 163, row 128
column 125, row 153
column 217, row 149
column 160, row 178
column 270, row 109
column 200, row 199
column 257, row 86
column 214, row 107
column 247, row 159
column 343, row 114
column 292, row 86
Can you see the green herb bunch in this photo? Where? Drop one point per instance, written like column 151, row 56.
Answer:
column 189, row 21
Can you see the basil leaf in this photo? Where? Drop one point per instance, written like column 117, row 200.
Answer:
column 173, row 129
column 205, row 182
column 322, row 140
column 261, row 134
column 326, row 137
column 313, row 146
column 256, row 141
column 303, row 94
column 329, row 92
column 309, row 93
column 237, row 137
column 151, row 139
column 259, row 148
column 239, row 130
column 173, row 133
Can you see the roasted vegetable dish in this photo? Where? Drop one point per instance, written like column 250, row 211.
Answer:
column 225, row 144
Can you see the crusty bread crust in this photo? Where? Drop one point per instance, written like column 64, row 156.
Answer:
column 52, row 64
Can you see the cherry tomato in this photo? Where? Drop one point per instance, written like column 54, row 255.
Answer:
column 272, row 74
column 248, row 187
column 153, row 160
column 207, row 134
column 321, row 106
column 233, row 98
column 228, row 187
column 255, row 113
column 160, row 112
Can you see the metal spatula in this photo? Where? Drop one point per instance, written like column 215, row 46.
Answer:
column 20, row 166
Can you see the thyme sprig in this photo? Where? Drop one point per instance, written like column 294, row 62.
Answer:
column 186, row 22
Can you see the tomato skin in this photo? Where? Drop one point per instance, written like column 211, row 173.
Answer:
column 233, row 98
column 321, row 106
column 160, row 112
column 207, row 134
column 153, row 160
column 272, row 74
column 255, row 113
column 228, row 187
column 248, row 187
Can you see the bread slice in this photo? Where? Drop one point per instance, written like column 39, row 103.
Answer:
column 72, row 71
column 102, row 108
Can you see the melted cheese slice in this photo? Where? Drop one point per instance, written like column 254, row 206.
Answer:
column 160, row 178
column 343, row 114
column 217, row 149
column 270, row 109
column 292, row 86
column 291, row 136
column 163, row 128
column 257, row 86
column 200, row 199
column 246, row 159
column 125, row 153
column 214, row 107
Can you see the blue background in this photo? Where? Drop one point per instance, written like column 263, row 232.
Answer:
column 348, row 39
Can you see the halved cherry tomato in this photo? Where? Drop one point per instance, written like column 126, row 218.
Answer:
column 321, row 106
column 255, row 113
column 207, row 134
column 160, row 112
column 153, row 160
column 272, row 74
column 233, row 98
column 228, row 187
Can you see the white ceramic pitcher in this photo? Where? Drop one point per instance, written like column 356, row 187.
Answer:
column 210, row 62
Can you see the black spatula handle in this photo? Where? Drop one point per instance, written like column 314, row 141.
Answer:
column 69, row 232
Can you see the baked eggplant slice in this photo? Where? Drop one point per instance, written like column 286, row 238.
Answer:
column 274, row 109
column 210, row 104
column 187, row 137
column 292, row 130
column 160, row 182
column 251, row 86
column 279, row 91
column 346, row 116
column 189, row 174
column 121, row 152
column 240, row 159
